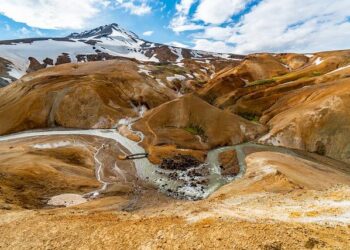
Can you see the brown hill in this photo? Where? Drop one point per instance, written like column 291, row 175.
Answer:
column 89, row 95
column 315, row 119
column 306, row 108
column 190, row 123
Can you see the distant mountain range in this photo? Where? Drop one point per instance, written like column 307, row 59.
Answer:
column 21, row 56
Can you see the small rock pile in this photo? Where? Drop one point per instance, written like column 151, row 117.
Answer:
column 180, row 162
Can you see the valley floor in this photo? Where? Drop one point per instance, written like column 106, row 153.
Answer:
column 236, row 223
column 286, row 199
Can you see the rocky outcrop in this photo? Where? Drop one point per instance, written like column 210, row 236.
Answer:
column 5, row 68
column 62, row 59
column 48, row 61
column 34, row 65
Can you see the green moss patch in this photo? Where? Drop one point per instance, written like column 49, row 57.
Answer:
column 195, row 130
column 262, row 81
column 250, row 117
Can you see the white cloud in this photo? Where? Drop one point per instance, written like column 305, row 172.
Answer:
column 180, row 21
column 208, row 11
column 178, row 44
column 135, row 7
column 218, row 11
column 214, row 46
column 184, row 6
column 148, row 33
column 216, row 33
column 180, row 26
column 105, row 3
column 53, row 14
column 270, row 26
column 29, row 32
column 23, row 32
column 295, row 25
column 39, row 33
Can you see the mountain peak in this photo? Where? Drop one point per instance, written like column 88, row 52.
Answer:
column 113, row 25
column 109, row 30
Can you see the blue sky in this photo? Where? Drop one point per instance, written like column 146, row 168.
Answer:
column 237, row 26
column 157, row 21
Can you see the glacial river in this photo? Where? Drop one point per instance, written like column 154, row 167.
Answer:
column 148, row 172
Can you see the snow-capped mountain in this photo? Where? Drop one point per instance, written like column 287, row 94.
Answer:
column 18, row 57
column 112, row 30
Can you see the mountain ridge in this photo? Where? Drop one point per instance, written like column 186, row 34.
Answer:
column 111, row 41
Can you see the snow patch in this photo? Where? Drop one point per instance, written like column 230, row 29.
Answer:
column 175, row 77
column 161, row 83
column 338, row 69
column 180, row 65
column 178, row 52
column 144, row 70
column 6, row 79
column 318, row 61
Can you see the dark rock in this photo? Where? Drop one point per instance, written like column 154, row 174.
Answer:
column 91, row 42
column 173, row 176
column 62, row 59
column 198, row 172
column 180, row 162
column 48, row 61
column 163, row 53
column 312, row 243
column 186, row 53
column 273, row 246
column 34, row 65
column 320, row 148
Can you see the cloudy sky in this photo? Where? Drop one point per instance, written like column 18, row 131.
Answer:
column 237, row 26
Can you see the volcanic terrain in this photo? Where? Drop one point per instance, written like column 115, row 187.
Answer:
column 108, row 141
